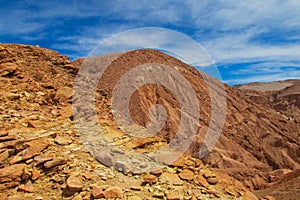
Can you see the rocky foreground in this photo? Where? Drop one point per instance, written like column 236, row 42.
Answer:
column 43, row 157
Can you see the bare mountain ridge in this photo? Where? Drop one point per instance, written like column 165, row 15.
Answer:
column 42, row 154
column 283, row 96
column 255, row 140
column 255, row 143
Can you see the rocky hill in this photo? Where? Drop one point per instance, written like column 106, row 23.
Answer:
column 283, row 96
column 42, row 154
column 256, row 140
column 43, row 157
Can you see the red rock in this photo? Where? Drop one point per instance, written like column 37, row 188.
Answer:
column 268, row 197
column 8, row 144
column 257, row 181
column 97, row 192
column 157, row 172
column 213, row 192
column 231, row 191
column 28, row 187
column 8, row 185
column 113, row 192
column 200, row 180
column 208, row 174
column 243, row 120
column 4, row 155
column 35, row 174
column 87, row 175
column 67, row 111
column 32, row 124
column 142, row 142
column 35, row 147
column 64, row 93
column 40, row 159
column 249, row 195
column 13, row 96
column 26, row 174
column 11, row 173
column 180, row 162
column 55, row 162
column 74, row 183
column 168, row 158
column 173, row 196
column 58, row 179
column 63, row 140
column 244, row 149
column 7, row 68
column 8, row 138
column 148, row 178
column 71, row 67
column 198, row 163
column 190, row 163
column 15, row 159
column 170, row 178
column 212, row 181
column 134, row 172
column 186, row 175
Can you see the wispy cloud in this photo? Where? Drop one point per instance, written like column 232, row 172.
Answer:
column 232, row 31
column 234, row 48
column 264, row 78
column 260, row 72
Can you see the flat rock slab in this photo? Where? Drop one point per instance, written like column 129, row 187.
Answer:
column 74, row 183
column 11, row 173
column 170, row 178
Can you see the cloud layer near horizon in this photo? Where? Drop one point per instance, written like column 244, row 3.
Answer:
column 249, row 41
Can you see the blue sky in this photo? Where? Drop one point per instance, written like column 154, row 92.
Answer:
column 248, row 40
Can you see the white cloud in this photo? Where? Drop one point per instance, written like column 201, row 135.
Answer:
column 264, row 68
column 237, row 48
column 172, row 41
column 264, row 78
column 230, row 30
column 234, row 14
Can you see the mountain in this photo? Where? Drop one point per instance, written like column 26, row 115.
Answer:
column 283, row 96
column 43, row 156
column 255, row 139
column 258, row 145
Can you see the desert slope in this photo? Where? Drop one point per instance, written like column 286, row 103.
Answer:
column 42, row 155
column 283, row 96
column 255, row 141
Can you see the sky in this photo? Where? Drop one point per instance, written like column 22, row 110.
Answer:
column 249, row 41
